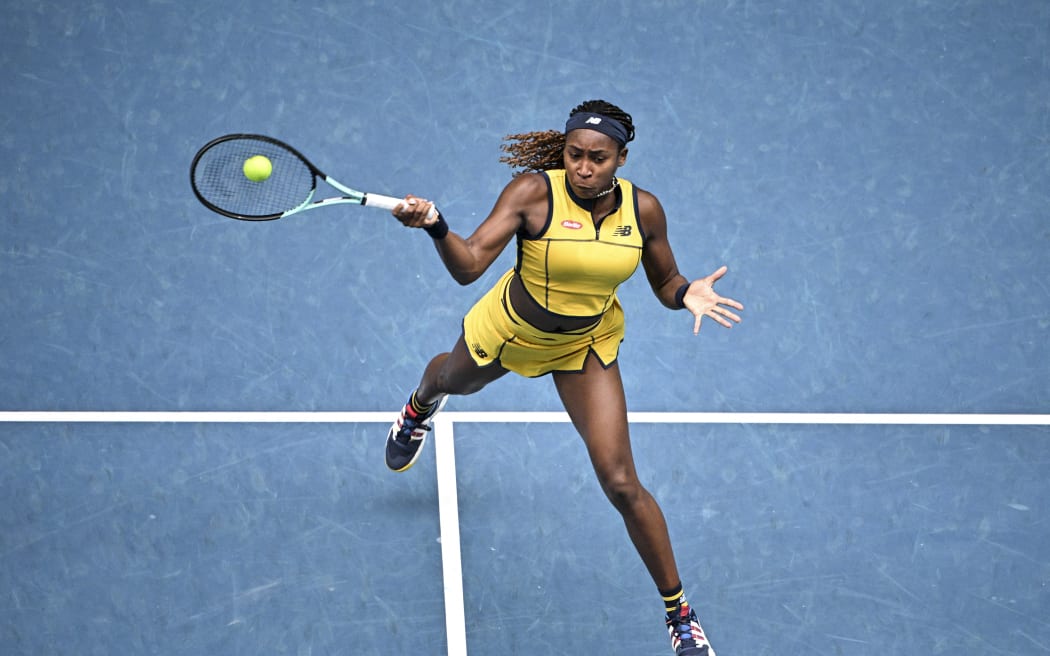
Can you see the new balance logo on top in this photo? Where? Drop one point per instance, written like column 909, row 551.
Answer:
column 594, row 120
column 622, row 231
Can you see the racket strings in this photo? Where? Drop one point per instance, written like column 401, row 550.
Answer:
column 219, row 179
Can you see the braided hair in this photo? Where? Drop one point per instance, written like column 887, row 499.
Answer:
column 542, row 150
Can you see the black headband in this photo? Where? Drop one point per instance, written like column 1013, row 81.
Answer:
column 610, row 127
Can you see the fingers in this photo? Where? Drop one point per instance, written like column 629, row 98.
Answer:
column 736, row 305
column 719, row 314
column 708, row 303
column 717, row 274
column 432, row 216
column 723, row 316
column 415, row 212
column 717, row 309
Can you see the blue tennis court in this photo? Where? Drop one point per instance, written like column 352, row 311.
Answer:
column 192, row 409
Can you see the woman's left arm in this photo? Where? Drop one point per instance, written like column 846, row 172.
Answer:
column 672, row 288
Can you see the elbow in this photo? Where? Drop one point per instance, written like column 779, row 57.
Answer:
column 464, row 278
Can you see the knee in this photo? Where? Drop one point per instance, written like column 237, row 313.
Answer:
column 622, row 488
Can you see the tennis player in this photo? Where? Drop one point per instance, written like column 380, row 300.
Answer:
column 581, row 231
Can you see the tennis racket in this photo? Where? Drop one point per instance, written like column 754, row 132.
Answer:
column 220, row 183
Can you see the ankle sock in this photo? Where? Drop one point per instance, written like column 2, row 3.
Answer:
column 673, row 598
column 417, row 407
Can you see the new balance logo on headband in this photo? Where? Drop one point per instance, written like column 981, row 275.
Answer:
column 604, row 124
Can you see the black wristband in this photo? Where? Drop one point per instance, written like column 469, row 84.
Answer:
column 438, row 229
column 679, row 296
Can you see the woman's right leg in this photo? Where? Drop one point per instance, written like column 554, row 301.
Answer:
column 448, row 373
column 455, row 373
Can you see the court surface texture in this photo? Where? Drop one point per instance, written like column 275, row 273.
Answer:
column 193, row 409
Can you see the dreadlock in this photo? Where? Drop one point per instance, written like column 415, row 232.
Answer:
column 542, row 150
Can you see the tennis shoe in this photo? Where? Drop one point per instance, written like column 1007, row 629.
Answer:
column 687, row 637
column 404, row 441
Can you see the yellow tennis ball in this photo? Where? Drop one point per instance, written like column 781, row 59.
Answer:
column 257, row 168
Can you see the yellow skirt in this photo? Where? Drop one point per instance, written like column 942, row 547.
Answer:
column 495, row 333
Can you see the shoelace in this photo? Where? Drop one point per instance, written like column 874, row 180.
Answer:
column 410, row 425
column 685, row 632
column 682, row 625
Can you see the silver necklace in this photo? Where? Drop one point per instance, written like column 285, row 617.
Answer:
column 615, row 184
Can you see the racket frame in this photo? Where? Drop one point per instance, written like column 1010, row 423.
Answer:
column 350, row 195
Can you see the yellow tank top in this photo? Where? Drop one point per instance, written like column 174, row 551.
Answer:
column 573, row 267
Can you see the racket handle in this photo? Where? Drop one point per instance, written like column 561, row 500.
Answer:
column 382, row 202
column 389, row 203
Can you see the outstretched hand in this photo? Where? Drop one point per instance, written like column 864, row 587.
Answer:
column 702, row 301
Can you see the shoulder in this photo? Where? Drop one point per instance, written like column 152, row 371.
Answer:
column 531, row 193
column 523, row 200
column 528, row 187
column 650, row 212
column 647, row 202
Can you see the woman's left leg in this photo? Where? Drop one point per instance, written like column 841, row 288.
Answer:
column 594, row 399
column 595, row 402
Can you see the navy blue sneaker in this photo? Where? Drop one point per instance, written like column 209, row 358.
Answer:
column 687, row 637
column 405, row 439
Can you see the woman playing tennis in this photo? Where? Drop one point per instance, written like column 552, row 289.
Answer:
column 580, row 233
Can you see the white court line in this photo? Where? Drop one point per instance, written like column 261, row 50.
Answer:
column 444, row 449
column 448, row 523
column 839, row 418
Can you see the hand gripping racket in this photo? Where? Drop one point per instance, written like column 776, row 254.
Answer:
column 221, row 184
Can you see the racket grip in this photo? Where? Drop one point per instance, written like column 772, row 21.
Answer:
column 382, row 202
column 389, row 203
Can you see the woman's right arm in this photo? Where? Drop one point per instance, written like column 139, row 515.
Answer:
column 467, row 258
